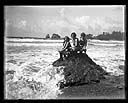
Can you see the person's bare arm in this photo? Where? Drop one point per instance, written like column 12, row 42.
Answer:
column 77, row 42
column 85, row 42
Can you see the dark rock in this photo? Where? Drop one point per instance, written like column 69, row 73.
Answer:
column 10, row 72
column 80, row 69
column 12, row 61
column 121, row 67
column 119, row 86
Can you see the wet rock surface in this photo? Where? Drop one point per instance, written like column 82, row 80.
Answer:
column 112, row 87
column 80, row 69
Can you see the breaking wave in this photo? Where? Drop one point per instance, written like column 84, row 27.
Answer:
column 95, row 44
column 32, row 77
column 29, row 72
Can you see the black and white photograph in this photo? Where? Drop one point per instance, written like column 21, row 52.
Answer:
column 64, row 52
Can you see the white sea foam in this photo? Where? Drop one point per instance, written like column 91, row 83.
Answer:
column 33, row 44
column 106, row 41
column 32, row 40
column 33, row 62
column 46, row 75
column 104, row 44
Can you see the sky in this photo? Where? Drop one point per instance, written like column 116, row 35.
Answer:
column 37, row 21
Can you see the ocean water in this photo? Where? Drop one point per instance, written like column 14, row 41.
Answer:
column 33, row 75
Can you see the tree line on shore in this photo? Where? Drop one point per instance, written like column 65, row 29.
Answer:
column 115, row 35
column 54, row 36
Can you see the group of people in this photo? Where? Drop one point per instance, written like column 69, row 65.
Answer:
column 74, row 45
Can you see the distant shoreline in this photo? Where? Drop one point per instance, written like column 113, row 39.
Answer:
column 31, row 42
column 55, row 39
column 33, row 38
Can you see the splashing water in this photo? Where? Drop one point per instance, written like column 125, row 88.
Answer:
column 110, row 56
column 34, row 70
column 30, row 74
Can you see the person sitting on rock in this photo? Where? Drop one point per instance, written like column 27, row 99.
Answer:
column 83, row 43
column 66, row 48
column 74, row 42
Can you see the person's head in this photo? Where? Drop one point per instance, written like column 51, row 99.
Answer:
column 73, row 35
column 66, row 38
column 83, row 35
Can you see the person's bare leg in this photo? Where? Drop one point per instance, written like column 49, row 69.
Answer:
column 61, row 55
